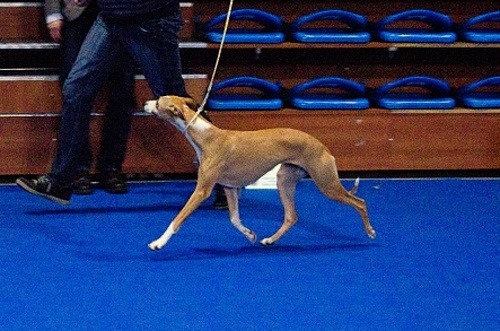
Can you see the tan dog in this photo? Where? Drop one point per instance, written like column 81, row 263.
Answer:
column 235, row 159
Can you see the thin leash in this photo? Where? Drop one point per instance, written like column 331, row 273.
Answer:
column 211, row 82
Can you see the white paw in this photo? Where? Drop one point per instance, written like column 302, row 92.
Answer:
column 266, row 242
column 155, row 245
column 371, row 233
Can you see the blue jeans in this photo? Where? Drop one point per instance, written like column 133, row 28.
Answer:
column 153, row 44
column 121, row 101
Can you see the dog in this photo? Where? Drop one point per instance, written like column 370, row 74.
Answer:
column 235, row 159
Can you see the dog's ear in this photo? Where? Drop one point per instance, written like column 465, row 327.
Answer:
column 191, row 103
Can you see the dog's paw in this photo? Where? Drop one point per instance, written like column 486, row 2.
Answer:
column 252, row 236
column 371, row 233
column 155, row 245
column 266, row 242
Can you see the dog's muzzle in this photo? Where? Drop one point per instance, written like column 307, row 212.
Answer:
column 150, row 106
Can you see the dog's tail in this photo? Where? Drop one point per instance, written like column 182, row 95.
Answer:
column 355, row 187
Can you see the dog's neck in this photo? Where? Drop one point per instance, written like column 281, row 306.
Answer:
column 197, row 126
column 198, row 131
column 193, row 118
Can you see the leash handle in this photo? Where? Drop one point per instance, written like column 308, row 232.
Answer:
column 211, row 82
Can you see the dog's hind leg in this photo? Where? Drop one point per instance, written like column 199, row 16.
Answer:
column 327, row 179
column 360, row 205
column 232, row 196
column 288, row 176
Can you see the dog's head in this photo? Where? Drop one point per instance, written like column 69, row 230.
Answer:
column 177, row 110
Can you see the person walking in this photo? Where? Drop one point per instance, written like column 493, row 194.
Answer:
column 147, row 31
column 68, row 25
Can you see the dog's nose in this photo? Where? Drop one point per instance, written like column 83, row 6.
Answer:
column 150, row 106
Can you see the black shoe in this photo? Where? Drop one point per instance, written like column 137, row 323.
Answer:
column 113, row 182
column 45, row 187
column 83, row 185
column 220, row 202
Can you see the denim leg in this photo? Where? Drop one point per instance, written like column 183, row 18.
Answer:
column 118, row 116
column 73, row 38
column 86, row 78
column 155, row 47
column 74, row 33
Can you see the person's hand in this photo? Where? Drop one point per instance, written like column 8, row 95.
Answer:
column 81, row 2
column 55, row 30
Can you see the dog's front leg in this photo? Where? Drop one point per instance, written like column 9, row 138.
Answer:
column 232, row 196
column 199, row 195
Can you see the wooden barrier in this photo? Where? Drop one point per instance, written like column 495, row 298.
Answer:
column 29, row 125
column 371, row 140
column 26, row 21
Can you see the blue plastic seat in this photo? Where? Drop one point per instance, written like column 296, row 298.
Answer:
column 477, row 30
column 438, row 27
column 484, row 93
column 336, row 93
column 415, row 92
column 259, row 94
column 269, row 30
column 354, row 32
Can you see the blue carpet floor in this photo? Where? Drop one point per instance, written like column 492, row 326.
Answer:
column 435, row 264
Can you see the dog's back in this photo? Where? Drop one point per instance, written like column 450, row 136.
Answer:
column 250, row 154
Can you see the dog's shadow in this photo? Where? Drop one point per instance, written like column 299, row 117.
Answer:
column 326, row 240
column 218, row 252
column 260, row 251
column 214, row 253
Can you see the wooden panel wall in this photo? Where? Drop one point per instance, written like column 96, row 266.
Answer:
column 375, row 140
column 22, row 21
column 372, row 140
column 29, row 126
column 26, row 21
